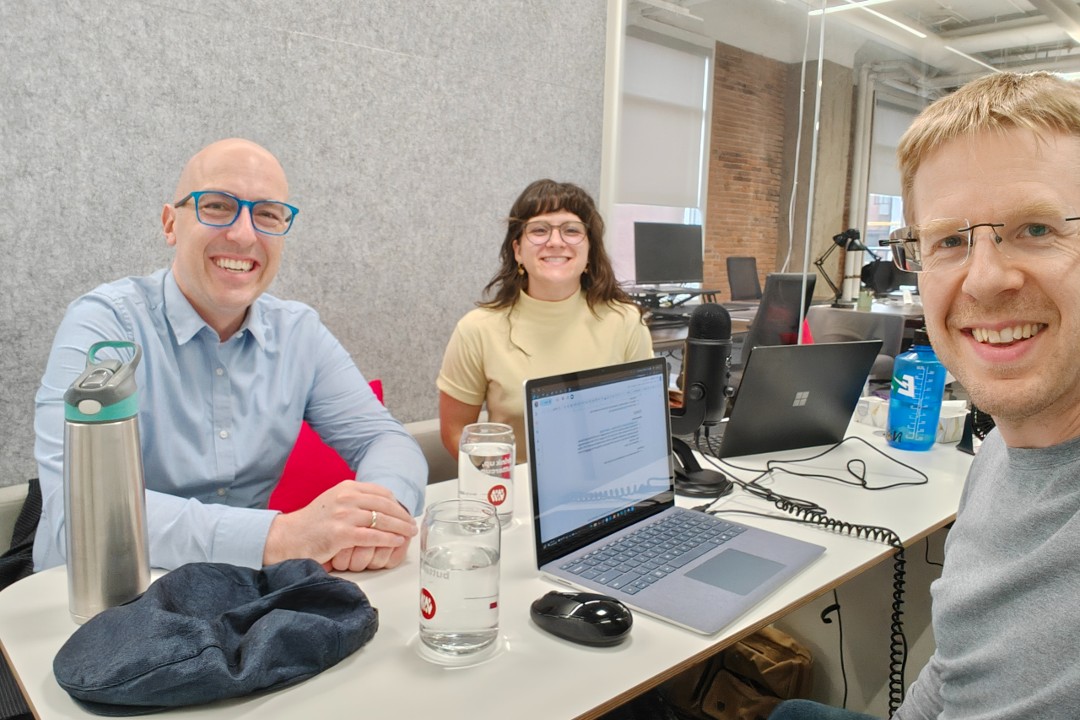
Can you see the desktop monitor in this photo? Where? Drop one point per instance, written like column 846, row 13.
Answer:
column 667, row 253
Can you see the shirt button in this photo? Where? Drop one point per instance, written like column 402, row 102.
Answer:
column 221, row 492
column 223, row 434
column 219, row 372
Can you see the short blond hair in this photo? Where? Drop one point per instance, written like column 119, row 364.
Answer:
column 1040, row 101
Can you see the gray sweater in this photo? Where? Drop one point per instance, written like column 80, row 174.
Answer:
column 1006, row 610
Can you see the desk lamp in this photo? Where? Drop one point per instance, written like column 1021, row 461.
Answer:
column 849, row 240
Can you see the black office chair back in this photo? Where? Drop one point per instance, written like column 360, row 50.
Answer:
column 743, row 278
column 777, row 318
column 883, row 277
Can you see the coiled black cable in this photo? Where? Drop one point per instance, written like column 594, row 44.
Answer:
column 897, row 639
column 835, row 608
column 806, row 511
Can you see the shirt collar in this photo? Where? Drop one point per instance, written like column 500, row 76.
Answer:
column 187, row 323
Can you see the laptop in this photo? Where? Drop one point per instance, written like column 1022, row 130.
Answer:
column 600, row 468
column 797, row 396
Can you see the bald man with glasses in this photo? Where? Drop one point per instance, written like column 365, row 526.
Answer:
column 228, row 374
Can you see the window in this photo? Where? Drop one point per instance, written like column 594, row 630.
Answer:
column 663, row 139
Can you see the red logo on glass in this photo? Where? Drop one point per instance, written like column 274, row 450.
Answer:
column 427, row 604
column 497, row 495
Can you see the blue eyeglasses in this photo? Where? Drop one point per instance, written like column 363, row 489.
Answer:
column 220, row 209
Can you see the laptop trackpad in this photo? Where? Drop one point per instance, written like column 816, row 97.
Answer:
column 735, row 571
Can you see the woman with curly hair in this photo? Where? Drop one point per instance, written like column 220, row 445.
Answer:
column 553, row 306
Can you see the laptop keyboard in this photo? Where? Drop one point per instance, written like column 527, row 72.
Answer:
column 637, row 560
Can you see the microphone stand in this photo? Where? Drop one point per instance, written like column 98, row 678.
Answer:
column 690, row 478
column 693, row 480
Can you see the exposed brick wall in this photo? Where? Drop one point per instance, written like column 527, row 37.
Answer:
column 751, row 163
column 745, row 161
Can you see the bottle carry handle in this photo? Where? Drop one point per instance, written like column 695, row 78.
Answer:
column 91, row 355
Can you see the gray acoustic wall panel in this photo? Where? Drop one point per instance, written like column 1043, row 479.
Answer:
column 406, row 128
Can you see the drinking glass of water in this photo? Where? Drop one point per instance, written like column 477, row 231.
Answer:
column 486, row 467
column 459, row 577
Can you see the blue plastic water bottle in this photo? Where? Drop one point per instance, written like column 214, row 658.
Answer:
column 918, row 385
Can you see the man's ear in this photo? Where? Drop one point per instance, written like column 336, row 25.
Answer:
column 168, row 223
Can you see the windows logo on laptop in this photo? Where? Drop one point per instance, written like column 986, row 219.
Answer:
column 604, row 510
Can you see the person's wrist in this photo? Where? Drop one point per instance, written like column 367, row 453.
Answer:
column 274, row 550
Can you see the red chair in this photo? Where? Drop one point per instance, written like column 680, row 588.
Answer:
column 313, row 468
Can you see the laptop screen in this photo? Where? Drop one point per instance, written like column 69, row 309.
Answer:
column 600, row 452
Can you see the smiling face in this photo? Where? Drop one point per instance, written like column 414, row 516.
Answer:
column 1009, row 330
column 554, row 268
column 222, row 270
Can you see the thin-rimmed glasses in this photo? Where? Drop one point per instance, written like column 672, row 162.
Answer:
column 539, row 232
column 945, row 244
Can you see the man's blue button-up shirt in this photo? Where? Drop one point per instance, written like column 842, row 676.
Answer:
column 217, row 419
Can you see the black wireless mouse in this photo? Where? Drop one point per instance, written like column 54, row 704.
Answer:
column 582, row 617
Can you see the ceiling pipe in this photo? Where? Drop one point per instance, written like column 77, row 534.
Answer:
column 613, row 82
column 892, row 68
column 1044, row 33
column 1063, row 12
column 909, row 88
column 860, row 171
column 890, row 96
column 907, row 77
column 671, row 8
column 949, row 82
column 930, row 49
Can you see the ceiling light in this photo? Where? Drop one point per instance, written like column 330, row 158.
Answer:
column 852, row 4
column 897, row 23
column 863, row 6
column 972, row 59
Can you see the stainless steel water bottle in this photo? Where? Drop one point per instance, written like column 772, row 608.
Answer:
column 104, row 495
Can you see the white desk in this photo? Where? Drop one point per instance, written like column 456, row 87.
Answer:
column 534, row 674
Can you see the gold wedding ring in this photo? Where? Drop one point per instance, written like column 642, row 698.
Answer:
column 374, row 519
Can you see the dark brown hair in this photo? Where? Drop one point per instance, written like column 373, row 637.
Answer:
column 539, row 198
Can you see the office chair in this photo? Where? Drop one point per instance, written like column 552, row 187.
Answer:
column 829, row 324
column 313, row 468
column 883, row 277
column 776, row 321
column 21, row 508
column 743, row 278
column 777, row 318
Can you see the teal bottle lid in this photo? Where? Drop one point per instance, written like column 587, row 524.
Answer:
column 105, row 391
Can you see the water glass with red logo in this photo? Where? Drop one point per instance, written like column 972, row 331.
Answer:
column 459, row 578
column 486, row 467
